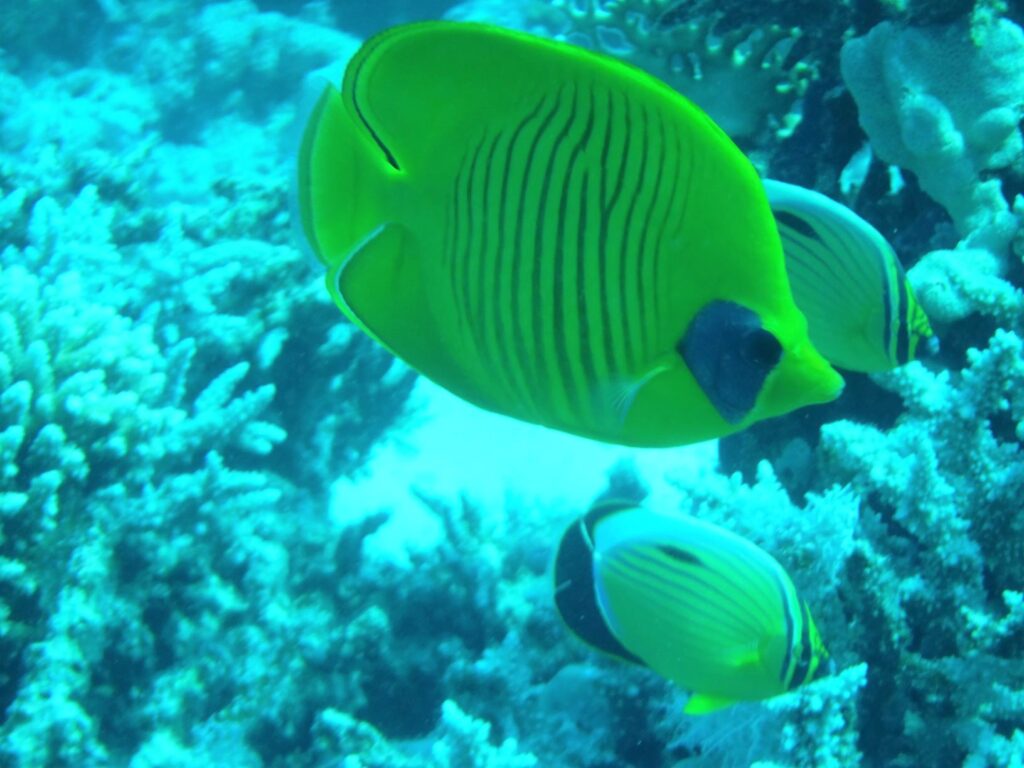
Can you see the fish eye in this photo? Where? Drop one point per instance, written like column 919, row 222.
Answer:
column 761, row 348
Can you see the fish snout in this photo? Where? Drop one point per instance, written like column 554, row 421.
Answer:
column 803, row 377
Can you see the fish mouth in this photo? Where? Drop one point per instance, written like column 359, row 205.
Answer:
column 803, row 377
column 825, row 382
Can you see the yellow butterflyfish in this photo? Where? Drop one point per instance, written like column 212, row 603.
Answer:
column 699, row 605
column 554, row 235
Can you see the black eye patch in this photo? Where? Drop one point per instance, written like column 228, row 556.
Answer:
column 730, row 355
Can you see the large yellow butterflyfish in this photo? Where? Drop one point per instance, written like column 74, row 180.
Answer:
column 692, row 601
column 553, row 235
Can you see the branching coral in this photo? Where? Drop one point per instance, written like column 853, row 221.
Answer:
column 746, row 75
column 944, row 487
column 223, row 57
column 742, row 77
column 149, row 490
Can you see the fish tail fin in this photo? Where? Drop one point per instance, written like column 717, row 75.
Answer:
column 339, row 169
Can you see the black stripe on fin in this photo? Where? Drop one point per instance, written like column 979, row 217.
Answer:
column 369, row 50
column 903, row 333
column 575, row 591
column 794, row 222
column 680, row 554
column 803, row 666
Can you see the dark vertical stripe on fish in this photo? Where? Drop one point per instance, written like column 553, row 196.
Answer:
column 493, row 310
column 803, row 666
column 566, row 282
column 657, row 282
column 480, row 272
column 787, row 612
column 641, row 298
column 627, row 255
column 608, row 203
column 681, row 235
column 887, row 298
column 455, row 237
column 462, row 235
column 462, row 266
column 498, row 277
column 520, row 357
column 545, row 252
column 584, row 342
column 903, row 330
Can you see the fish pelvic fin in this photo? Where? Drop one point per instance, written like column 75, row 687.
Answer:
column 703, row 704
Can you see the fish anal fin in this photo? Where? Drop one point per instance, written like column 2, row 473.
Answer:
column 704, row 704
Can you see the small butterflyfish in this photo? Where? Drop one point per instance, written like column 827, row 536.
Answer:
column 554, row 235
column 861, row 312
column 692, row 601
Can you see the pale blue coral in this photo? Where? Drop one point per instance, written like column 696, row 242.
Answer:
column 944, row 102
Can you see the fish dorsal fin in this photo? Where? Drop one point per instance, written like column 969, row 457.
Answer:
column 425, row 89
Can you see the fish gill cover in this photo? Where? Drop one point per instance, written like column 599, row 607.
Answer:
column 182, row 581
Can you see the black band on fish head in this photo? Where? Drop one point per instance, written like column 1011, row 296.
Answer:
column 730, row 355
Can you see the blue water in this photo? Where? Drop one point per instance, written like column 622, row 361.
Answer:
column 235, row 532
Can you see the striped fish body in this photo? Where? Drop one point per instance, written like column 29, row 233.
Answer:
column 861, row 311
column 701, row 606
column 535, row 227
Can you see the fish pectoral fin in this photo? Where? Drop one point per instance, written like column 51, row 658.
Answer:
column 703, row 704
column 376, row 285
column 383, row 288
column 743, row 656
column 380, row 287
column 618, row 395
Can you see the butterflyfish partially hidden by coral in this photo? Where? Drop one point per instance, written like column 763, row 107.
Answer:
column 861, row 312
column 699, row 605
column 553, row 235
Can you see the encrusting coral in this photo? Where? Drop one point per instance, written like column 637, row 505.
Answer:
column 945, row 103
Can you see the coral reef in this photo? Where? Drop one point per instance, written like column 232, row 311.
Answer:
column 167, row 370
column 179, row 584
column 746, row 76
column 944, row 102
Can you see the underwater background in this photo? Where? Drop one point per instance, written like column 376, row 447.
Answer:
column 235, row 532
